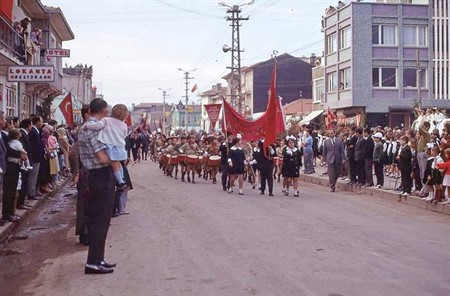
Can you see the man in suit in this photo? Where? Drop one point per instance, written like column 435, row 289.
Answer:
column 333, row 154
column 351, row 143
column 37, row 154
column 359, row 157
column 369, row 145
column 25, row 129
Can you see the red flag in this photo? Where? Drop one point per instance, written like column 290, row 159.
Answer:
column 330, row 117
column 66, row 108
column 128, row 120
column 194, row 88
column 270, row 127
column 6, row 6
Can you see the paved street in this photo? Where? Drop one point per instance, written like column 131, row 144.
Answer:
column 194, row 239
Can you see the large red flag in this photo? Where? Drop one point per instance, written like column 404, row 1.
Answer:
column 330, row 117
column 6, row 6
column 270, row 128
column 128, row 120
column 66, row 108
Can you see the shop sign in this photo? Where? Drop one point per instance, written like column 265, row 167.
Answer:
column 31, row 74
column 57, row 53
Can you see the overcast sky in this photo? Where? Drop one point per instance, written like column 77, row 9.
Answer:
column 136, row 46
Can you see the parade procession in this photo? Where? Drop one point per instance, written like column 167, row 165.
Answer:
column 258, row 147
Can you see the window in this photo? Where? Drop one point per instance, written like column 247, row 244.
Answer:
column 410, row 77
column 384, row 34
column 415, row 35
column 319, row 89
column 331, row 43
column 10, row 101
column 332, row 82
column 346, row 78
column 346, row 37
column 25, row 107
column 384, row 77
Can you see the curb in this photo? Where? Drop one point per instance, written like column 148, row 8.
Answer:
column 389, row 195
column 8, row 229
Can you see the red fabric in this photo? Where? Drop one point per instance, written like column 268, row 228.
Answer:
column 128, row 120
column 194, row 88
column 213, row 111
column 66, row 108
column 6, row 6
column 330, row 117
column 268, row 126
column 273, row 108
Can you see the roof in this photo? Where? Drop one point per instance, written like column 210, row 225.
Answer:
column 300, row 106
column 60, row 23
column 214, row 92
column 147, row 105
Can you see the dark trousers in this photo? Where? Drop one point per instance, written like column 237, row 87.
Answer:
column 360, row 171
column 368, row 164
column 225, row 180
column 417, row 180
column 407, row 181
column 353, row 170
column 334, row 170
column 9, row 189
column 266, row 175
column 144, row 151
column 99, row 206
column 82, row 188
column 24, row 188
column 379, row 172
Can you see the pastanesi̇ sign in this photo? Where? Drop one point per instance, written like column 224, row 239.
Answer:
column 31, row 74
column 213, row 111
column 57, row 53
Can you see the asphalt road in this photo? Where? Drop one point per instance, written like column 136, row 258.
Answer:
column 195, row 239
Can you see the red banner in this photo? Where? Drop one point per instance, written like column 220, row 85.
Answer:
column 6, row 6
column 213, row 111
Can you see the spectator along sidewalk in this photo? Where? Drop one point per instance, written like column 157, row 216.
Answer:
column 386, row 193
column 8, row 229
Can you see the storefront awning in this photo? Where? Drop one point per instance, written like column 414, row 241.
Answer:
column 310, row 117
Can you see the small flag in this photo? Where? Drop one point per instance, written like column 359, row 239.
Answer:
column 128, row 120
column 67, row 109
column 194, row 88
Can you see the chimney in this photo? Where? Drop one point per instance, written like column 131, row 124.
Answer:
column 219, row 86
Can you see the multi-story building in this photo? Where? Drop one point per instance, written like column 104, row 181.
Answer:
column 78, row 80
column 20, row 21
column 293, row 82
column 154, row 112
column 193, row 115
column 441, row 48
column 378, row 60
column 211, row 96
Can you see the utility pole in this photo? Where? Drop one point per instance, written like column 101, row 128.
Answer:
column 419, row 87
column 164, row 91
column 186, row 78
column 235, row 81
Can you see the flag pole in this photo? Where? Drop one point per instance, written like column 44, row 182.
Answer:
column 224, row 119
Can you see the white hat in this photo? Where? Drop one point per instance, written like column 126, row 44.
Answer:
column 378, row 135
column 239, row 136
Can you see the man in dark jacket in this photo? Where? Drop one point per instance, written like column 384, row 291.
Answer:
column 37, row 154
column 351, row 143
column 265, row 165
column 359, row 157
column 25, row 129
column 368, row 156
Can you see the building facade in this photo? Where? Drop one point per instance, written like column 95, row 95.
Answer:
column 441, row 48
column 191, row 113
column 78, row 80
column 378, row 60
column 293, row 82
column 20, row 23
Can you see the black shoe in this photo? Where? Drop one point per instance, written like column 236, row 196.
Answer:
column 34, row 198
column 97, row 269
column 271, row 194
column 106, row 264
column 261, row 193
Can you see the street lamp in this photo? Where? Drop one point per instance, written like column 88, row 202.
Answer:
column 187, row 78
column 164, row 91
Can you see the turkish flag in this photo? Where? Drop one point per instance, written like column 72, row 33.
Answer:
column 194, row 88
column 128, row 120
column 272, row 107
column 66, row 108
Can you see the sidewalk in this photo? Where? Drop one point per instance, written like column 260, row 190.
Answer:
column 8, row 229
column 385, row 193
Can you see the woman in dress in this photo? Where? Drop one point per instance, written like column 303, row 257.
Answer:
column 291, row 165
column 236, row 163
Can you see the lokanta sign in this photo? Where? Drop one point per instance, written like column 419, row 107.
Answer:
column 213, row 111
column 31, row 74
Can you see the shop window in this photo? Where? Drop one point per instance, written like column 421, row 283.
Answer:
column 10, row 101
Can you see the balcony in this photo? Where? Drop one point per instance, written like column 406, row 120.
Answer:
column 11, row 44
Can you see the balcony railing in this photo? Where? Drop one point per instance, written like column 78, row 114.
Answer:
column 11, row 39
